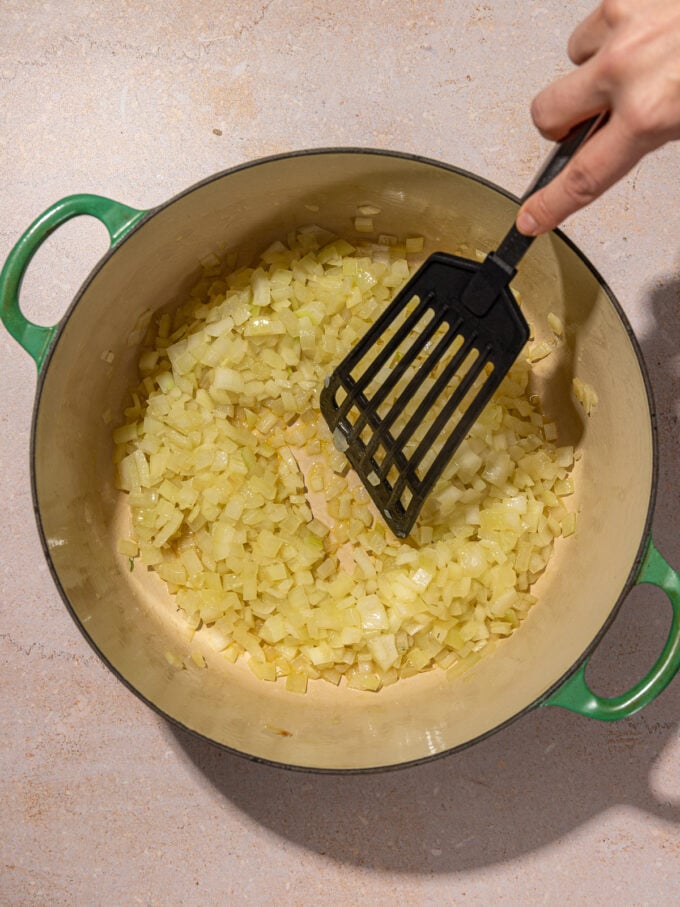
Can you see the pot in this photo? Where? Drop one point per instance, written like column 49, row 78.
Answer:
column 128, row 616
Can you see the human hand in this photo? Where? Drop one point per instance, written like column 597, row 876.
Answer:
column 628, row 58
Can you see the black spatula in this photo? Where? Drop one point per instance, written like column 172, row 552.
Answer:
column 406, row 396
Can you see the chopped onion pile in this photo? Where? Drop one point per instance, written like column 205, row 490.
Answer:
column 242, row 504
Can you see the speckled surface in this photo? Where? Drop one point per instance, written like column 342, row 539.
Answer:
column 103, row 801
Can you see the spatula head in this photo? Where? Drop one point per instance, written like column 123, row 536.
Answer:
column 405, row 397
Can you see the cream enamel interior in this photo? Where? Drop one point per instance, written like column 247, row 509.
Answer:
column 129, row 617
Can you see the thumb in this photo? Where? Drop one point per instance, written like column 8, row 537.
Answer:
column 602, row 161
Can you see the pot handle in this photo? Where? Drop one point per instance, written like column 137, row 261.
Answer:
column 117, row 219
column 575, row 694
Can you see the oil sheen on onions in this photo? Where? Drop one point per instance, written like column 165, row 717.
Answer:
column 241, row 503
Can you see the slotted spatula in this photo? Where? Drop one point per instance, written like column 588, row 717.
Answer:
column 405, row 397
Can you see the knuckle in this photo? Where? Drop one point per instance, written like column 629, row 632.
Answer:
column 543, row 212
column 614, row 63
column 580, row 184
column 643, row 121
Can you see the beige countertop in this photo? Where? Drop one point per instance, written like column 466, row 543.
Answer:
column 103, row 802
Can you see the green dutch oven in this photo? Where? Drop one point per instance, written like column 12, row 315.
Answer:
column 129, row 618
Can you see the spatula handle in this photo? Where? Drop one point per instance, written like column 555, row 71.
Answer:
column 515, row 244
column 500, row 266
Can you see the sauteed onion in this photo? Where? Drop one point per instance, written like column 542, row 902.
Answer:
column 242, row 504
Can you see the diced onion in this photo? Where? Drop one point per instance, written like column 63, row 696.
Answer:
column 555, row 323
column 340, row 441
column 368, row 210
column 585, row 394
column 363, row 224
column 241, row 500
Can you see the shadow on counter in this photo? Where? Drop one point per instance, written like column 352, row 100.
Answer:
column 531, row 784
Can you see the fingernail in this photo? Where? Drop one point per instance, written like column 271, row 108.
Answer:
column 527, row 224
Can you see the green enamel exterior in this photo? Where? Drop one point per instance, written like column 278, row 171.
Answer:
column 118, row 220
column 575, row 694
